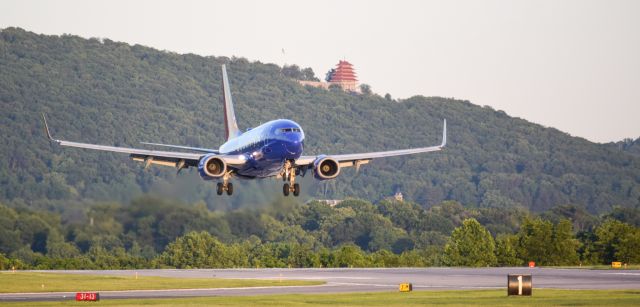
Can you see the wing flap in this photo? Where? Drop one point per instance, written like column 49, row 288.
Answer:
column 200, row 149
column 172, row 162
column 133, row 151
column 168, row 158
column 384, row 154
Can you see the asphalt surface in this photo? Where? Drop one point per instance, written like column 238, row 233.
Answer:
column 358, row 280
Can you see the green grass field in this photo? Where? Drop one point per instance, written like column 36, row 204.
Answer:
column 541, row 297
column 33, row 282
column 53, row 282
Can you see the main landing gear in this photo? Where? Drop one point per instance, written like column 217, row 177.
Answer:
column 225, row 185
column 287, row 188
column 221, row 188
column 289, row 173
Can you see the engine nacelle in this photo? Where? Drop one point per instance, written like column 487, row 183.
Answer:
column 325, row 168
column 211, row 166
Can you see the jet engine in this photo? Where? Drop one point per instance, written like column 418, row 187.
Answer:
column 212, row 166
column 325, row 168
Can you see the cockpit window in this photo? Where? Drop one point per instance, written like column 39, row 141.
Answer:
column 290, row 129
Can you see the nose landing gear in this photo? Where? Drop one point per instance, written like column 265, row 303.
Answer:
column 289, row 173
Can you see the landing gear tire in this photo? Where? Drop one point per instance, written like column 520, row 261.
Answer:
column 219, row 188
column 229, row 188
column 296, row 189
column 285, row 189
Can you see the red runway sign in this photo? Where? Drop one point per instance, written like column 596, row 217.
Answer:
column 88, row 296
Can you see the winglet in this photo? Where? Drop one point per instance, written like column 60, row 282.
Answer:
column 444, row 134
column 230, row 124
column 46, row 128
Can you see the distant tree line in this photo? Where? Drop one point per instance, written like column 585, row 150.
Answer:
column 151, row 233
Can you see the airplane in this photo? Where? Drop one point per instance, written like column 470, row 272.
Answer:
column 273, row 149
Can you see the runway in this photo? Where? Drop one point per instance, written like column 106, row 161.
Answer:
column 358, row 280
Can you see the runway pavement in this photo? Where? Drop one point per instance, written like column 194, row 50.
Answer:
column 359, row 280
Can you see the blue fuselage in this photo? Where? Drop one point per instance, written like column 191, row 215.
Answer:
column 266, row 147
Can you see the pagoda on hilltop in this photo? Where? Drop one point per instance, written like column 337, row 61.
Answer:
column 344, row 76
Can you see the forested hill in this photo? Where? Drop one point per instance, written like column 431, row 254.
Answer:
column 116, row 94
column 628, row 145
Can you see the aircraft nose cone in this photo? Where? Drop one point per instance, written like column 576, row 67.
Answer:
column 294, row 148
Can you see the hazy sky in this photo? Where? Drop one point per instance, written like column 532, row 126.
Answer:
column 573, row 65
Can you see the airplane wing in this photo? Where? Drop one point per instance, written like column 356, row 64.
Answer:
column 166, row 158
column 200, row 149
column 347, row 160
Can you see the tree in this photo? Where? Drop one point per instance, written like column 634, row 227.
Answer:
column 196, row 250
column 9, row 236
column 335, row 88
column 63, row 250
column 10, row 263
column 470, row 245
column 618, row 241
column 349, row 255
column 329, row 74
column 384, row 258
column 411, row 258
column 547, row 244
column 365, row 89
column 578, row 215
column 292, row 71
column 309, row 75
column 534, row 240
column 564, row 244
column 406, row 215
column 630, row 216
column 269, row 255
column 506, row 250
column 5, row 263
column 302, row 256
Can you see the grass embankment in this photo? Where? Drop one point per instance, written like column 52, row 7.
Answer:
column 53, row 282
column 541, row 297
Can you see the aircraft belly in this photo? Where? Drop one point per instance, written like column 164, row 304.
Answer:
column 261, row 169
column 267, row 160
